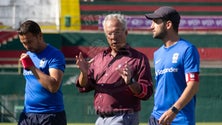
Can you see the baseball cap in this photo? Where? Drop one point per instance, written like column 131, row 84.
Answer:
column 165, row 12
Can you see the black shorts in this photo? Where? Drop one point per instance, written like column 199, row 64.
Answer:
column 58, row 118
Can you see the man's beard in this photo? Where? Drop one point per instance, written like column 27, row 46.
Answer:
column 161, row 34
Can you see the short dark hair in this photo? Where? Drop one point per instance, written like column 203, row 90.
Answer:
column 29, row 26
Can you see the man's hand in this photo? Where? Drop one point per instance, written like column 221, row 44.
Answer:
column 82, row 64
column 26, row 61
column 125, row 72
column 167, row 117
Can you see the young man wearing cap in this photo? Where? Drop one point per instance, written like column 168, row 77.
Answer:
column 176, row 71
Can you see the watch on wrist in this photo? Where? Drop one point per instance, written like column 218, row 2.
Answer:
column 132, row 81
column 174, row 110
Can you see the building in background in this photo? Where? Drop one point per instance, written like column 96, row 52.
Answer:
column 53, row 15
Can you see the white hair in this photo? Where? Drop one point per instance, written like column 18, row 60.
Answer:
column 119, row 17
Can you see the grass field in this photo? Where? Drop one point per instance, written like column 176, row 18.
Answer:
column 212, row 123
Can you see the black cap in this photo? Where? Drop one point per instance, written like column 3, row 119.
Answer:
column 165, row 12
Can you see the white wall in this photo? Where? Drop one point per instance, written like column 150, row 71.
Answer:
column 13, row 12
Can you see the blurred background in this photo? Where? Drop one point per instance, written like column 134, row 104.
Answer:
column 75, row 25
